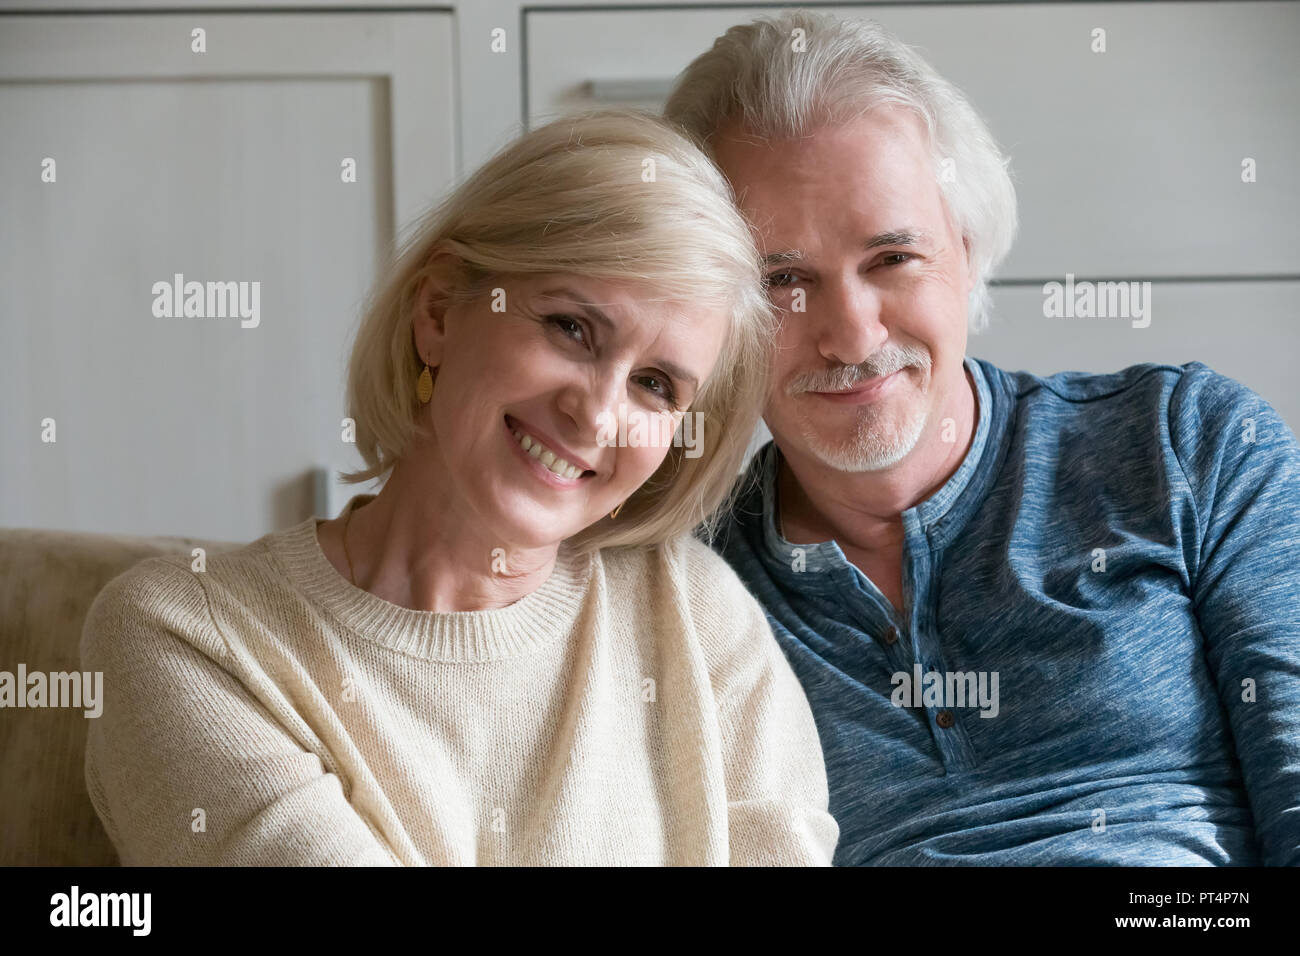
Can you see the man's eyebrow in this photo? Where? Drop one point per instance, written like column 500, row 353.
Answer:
column 672, row 368
column 900, row 237
column 895, row 237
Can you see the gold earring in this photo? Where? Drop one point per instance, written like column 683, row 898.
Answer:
column 424, row 387
column 614, row 513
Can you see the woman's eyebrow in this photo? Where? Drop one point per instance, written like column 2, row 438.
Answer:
column 672, row 368
column 588, row 307
column 679, row 373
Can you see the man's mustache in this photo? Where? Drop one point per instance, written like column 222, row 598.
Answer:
column 844, row 377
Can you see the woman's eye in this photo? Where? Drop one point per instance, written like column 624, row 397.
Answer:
column 665, row 389
column 568, row 325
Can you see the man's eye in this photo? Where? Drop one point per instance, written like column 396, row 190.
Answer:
column 898, row 258
column 779, row 279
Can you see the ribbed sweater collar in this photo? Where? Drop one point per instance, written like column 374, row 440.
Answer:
column 531, row 623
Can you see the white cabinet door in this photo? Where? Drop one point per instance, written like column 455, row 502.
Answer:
column 222, row 166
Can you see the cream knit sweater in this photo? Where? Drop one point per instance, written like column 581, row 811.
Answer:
column 634, row 709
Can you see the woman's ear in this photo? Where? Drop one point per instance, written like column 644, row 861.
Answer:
column 429, row 311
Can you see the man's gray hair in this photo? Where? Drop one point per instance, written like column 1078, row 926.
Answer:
column 782, row 84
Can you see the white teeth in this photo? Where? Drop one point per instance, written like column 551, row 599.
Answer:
column 557, row 465
column 547, row 457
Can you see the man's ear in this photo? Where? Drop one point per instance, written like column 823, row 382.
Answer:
column 972, row 278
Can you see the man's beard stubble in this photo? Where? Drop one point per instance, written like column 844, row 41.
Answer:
column 883, row 431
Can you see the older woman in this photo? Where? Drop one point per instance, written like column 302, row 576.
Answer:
column 514, row 653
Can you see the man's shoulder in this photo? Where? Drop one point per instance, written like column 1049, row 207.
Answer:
column 1084, row 387
column 1157, row 390
column 1208, row 425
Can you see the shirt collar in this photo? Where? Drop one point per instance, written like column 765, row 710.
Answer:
column 927, row 517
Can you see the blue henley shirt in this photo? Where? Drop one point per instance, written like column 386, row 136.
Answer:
column 1121, row 553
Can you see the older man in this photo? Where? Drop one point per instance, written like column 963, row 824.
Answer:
column 1040, row 620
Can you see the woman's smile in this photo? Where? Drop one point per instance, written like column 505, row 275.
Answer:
column 550, row 467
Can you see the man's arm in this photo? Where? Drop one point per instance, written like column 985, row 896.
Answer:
column 1243, row 466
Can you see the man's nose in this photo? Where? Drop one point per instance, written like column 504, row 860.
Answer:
column 848, row 321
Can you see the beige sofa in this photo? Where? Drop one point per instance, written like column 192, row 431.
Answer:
column 48, row 580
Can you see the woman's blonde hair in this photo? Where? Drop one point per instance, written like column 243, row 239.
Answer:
column 614, row 195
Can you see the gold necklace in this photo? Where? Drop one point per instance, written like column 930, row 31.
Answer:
column 347, row 521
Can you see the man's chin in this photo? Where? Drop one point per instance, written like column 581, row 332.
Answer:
column 858, row 462
column 853, row 451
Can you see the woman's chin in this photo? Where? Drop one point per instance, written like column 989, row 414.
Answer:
column 536, row 517
column 542, row 529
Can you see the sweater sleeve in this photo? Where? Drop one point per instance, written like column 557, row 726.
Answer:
column 184, row 765
column 1242, row 464
column 777, row 795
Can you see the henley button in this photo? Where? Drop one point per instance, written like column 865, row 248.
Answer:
column 891, row 636
column 944, row 719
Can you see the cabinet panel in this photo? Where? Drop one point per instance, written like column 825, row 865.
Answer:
column 223, row 168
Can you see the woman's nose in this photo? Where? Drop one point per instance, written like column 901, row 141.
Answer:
column 592, row 403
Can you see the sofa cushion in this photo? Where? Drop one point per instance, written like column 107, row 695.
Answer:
column 48, row 580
